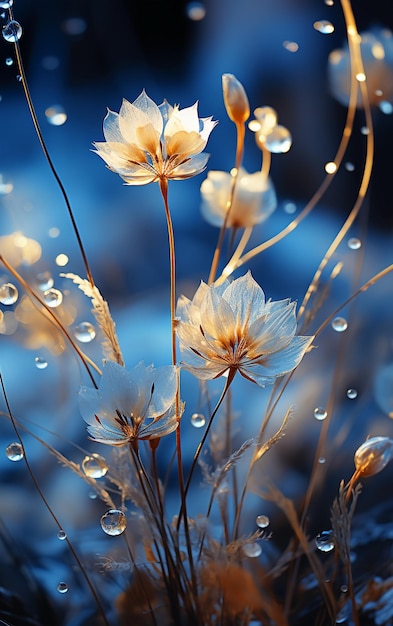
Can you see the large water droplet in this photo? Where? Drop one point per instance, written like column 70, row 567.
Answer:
column 198, row 420
column 383, row 388
column 62, row 587
column 53, row 297
column 352, row 394
column 40, row 363
column 8, row 293
column 339, row 324
column 325, row 541
column 9, row 61
column 44, row 281
column 320, row 413
column 354, row 243
column 6, row 4
column 14, row 451
column 94, row 466
column 56, row 115
column 262, row 521
column 279, row 140
column 324, row 26
column 85, row 332
column 62, row 535
column 195, row 11
column 12, row 31
column 252, row 550
column 113, row 522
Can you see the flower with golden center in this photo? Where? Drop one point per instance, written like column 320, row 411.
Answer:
column 146, row 143
column 231, row 328
column 253, row 201
column 130, row 405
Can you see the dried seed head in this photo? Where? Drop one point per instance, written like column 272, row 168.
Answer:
column 373, row 455
column 235, row 99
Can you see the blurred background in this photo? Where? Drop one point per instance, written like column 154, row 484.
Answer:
column 81, row 57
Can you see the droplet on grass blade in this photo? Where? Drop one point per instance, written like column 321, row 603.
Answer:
column 339, row 324
column 325, row 541
column 354, row 243
column 12, row 31
column 62, row 535
column 14, row 452
column 113, row 522
column 53, row 297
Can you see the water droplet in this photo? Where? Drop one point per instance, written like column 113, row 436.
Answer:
column 19, row 78
column 61, row 260
column 365, row 130
column 291, row 46
column 14, row 451
column 12, row 31
column 93, row 495
column 279, row 140
column 56, row 115
column 352, row 394
column 349, row 166
column 252, row 550
column 341, row 617
column 62, row 587
column 44, row 281
column 320, row 413
column 290, row 207
column 8, row 294
column 325, row 541
column 85, row 332
column 195, row 11
column 360, row 77
column 113, row 522
column 339, row 324
column 329, row 3
column 53, row 297
column 198, row 420
column 321, row 460
column 262, row 521
column 344, row 588
column 354, row 243
column 40, row 363
column 330, row 167
column 94, row 466
column 62, row 535
column 386, row 107
column 383, row 388
column 6, row 4
column 324, row 26
column 9, row 61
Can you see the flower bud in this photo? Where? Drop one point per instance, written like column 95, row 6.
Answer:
column 373, row 455
column 235, row 99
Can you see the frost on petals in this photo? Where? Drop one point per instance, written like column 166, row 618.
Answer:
column 231, row 327
column 254, row 198
column 130, row 405
column 145, row 142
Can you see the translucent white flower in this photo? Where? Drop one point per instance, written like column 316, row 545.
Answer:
column 145, row 142
column 130, row 405
column 231, row 327
column 254, row 198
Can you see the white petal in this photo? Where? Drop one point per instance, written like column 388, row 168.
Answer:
column 246, row 299
column 193, row 166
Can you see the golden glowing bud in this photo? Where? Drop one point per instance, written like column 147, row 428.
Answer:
column 373, row 455
column 235, row 99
